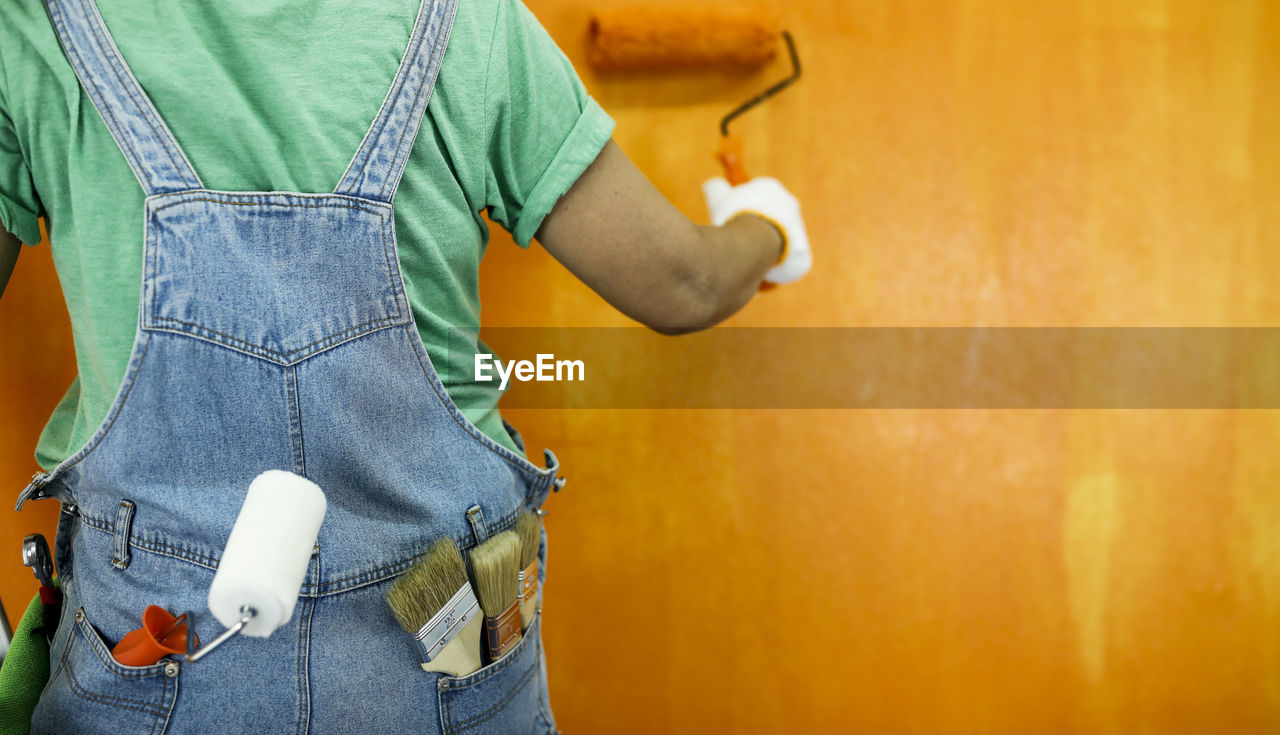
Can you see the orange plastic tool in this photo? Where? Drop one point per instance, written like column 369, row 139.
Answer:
column 161, row 635
column 730, row 157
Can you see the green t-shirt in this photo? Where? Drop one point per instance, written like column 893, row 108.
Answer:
column 277, row 95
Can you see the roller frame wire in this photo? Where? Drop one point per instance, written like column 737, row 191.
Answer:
column 247, row 614
column 771, row 91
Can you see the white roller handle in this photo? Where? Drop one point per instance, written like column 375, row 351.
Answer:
column 266, row 556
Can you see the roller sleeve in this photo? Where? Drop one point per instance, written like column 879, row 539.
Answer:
column 266, row 556
column 675, row 37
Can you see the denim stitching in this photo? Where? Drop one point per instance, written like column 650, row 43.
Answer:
column 417, row 70
column 531, row 473
column 186, row 172
column 304, row 655
column 388, row 321
column 228, row 196
column 123, row 525
column 500, row 705
column 145, row 108
column 295, row 420
column 153, row 546
column 488, row 672
column 497, row 707
column 98, row 438
column 393, row 268
column 443, row 703
column 151, row 265
column 355, row 171
column 62, row 662
column 309, row 589
column 391, row 106
column 124, row 703
column 379, row 574
column 99, row 101
column 426, row 86
column 419, row 80
column 83, row 693
column 159, row 726
column 147, row 542
column 113, row 63
column 260, row 350
column 270, row 204
column 99, row 648
column 457, row 683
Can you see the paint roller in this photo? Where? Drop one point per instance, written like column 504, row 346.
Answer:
column 267, row 553
column 259, row 576
column 679, row 37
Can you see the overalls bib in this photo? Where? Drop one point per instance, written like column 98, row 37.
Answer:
column 274, row 333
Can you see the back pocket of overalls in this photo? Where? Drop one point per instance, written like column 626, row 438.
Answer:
column 279, row 276
column 503, row 697
column 91, row 692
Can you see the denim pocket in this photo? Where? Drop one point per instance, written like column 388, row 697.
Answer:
column 503, row 697
column 294, row 275
column 90, row 691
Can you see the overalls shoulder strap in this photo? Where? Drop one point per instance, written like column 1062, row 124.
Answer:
column 152, row 152
column 375, row 170
column 159, row 162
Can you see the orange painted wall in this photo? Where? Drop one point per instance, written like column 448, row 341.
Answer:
column 960, row 163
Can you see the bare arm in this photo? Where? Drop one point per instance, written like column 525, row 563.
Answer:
column 620, row 236
column 9, row 249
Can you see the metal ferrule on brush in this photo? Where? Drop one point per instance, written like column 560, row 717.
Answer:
column 502, row 633
column 529, row 581
column 445, row 625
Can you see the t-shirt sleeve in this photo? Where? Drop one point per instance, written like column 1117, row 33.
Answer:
column 543, row 127
column 19, row 205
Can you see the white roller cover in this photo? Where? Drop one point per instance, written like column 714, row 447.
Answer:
column 266, row 556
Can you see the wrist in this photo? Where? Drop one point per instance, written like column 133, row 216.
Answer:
column 765, row 229
column 772, row 206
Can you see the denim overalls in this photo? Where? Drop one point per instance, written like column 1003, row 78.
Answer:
column 274, row 333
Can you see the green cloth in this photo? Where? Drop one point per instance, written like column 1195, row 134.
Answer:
column 24, row 673
column 277, row 95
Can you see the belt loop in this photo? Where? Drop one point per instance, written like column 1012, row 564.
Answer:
column 123, row 529
column 476, row 517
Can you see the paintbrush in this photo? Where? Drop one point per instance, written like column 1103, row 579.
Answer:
column 434, row 602
column 529, row 529
column 494, row 567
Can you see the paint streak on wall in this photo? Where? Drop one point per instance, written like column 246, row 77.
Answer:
column 1091, row 522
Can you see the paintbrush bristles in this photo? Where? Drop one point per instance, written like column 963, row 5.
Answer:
column 529, row 529
column 494, row 565
column 431, row 582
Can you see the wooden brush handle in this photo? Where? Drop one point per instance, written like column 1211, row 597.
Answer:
column 462, row 655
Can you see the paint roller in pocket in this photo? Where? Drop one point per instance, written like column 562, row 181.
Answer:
column 265, row 560
column 258, row 579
